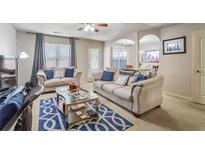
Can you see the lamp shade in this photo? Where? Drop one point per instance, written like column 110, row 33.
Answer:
column 23, row 55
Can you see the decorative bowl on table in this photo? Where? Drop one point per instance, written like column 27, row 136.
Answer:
column 73, row 87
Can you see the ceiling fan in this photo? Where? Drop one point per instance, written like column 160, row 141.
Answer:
column 93, row 27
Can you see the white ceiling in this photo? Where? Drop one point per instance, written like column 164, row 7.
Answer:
column 114, row 30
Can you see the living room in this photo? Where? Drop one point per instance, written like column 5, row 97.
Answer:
column 140, row 49
column 102, row 76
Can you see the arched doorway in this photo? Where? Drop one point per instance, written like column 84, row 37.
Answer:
column 149, row 49
column 122, row 53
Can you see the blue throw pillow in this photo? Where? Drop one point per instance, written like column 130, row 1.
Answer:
column 10, row 108
column 69, row 72
column 107, row 76
column 140, row 77
column 49, row 74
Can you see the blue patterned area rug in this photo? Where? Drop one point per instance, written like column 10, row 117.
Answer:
column 51, row 119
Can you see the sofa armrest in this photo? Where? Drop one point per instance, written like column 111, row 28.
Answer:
column 97, row 75
column 41, row 77
column 147, row 94
column 77, row 75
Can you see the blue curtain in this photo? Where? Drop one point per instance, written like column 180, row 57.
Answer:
column 38, row 60
column 73, row 52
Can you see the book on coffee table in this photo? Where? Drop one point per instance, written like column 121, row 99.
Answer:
column 84, row 116
column 92, row 113
column 78, row 113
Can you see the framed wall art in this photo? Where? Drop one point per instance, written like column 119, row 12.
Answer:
column 174, row 46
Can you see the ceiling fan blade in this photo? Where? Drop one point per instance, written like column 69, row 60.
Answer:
column 80, row 28
column 96, row 30
column 101, row 25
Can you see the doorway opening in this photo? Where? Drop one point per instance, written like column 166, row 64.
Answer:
column 149, row 50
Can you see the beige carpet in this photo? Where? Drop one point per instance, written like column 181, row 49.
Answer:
column 174, row 114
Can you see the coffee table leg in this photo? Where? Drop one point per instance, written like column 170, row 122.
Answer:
column 58, row 99
column 68, row 119
column 66, row 113
column 97, row 105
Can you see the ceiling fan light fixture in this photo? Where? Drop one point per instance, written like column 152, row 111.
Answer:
column 87, row 27
column 92, row 28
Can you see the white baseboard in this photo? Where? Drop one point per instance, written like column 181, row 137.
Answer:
column 178, row 96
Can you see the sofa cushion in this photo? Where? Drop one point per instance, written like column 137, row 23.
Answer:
column 100, row 83
column 69, row 72
column 65, row 81
column 52, row 83
column 49, row 74
column 5, row 92
column 57, row 82
column 110, row 87
column 124, row 93
column 107, row 76
column 9, row 108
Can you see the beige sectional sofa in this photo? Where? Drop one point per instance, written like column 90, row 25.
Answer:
column 50, row 85
column 138, row 97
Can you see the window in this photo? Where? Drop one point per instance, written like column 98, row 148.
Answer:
column 119, row 57
column 151, row 56
column 57, row 55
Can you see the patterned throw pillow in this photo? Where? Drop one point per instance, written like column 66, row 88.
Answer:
column 122, row 80
column 132, row 79
column 59, row 74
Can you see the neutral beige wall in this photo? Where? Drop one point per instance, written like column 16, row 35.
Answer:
column 26, row 43
column 177, row 69
column 7, row 40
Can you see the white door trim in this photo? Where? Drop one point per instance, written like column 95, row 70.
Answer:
column 195, row 91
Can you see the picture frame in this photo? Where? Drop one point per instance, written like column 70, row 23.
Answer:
column 174, row 46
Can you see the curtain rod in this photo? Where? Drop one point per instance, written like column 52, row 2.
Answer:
column 53, row 35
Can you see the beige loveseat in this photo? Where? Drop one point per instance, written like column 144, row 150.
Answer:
column 50, row 85
column 138, row 97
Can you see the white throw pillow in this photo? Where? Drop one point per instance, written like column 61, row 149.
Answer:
column 122, row 80
column 59, row 74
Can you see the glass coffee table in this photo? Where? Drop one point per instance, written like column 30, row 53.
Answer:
column 77, row 105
